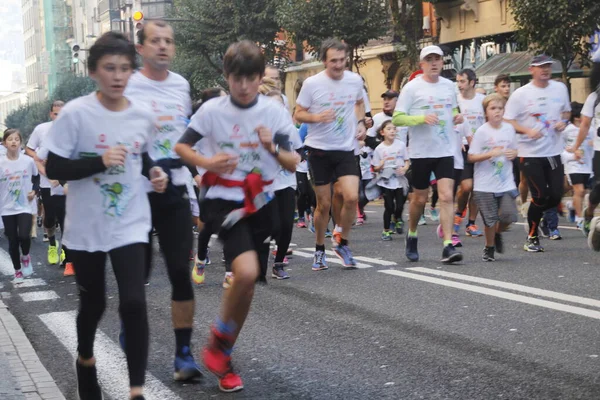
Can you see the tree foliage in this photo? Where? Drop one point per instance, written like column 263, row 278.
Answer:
column 354, row 21
column 28, row 116
column 201, row 44
column 559, row 28
column 407, row 18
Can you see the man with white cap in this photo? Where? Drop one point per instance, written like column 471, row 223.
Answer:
column 539, row 112
column 590, row 117
column 428, row 106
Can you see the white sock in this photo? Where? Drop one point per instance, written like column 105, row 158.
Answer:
column 337, row 229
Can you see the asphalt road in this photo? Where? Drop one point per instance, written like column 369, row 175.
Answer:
column 524, row 327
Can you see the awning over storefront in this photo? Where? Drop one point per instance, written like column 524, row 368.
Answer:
column 517, row 66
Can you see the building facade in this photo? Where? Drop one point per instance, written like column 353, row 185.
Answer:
column 10, row 102
column 36, row 58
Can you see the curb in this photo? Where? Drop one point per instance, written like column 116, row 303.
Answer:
column 34, row 381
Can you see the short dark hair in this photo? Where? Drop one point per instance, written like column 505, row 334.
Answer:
column 575, row 110
column 56, row 103
column 111, row 43
column 205, row 96
column 141, row 34
column 332, row 44
column 9, row 132
column 501, row 78
column 244, row 58
column 470, row 74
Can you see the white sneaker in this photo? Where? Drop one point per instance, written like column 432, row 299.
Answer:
column 594, row 235
column 26, row 266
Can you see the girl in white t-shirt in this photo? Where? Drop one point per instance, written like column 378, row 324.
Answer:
column 390, row 161
column 19, row 181
column 492, row 150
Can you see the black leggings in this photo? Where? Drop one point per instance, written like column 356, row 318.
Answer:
column 59, row 205
column 173, row 223
column 362, row 197
column 284, row 200
column 306, row 194
column 435, row 196
column 545, row 178
column 393, row 201
column 129, row 263
column 50, row 216
column 17, row 229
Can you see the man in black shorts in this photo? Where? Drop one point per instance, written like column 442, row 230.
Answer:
column 428, row 106
column 329, row 103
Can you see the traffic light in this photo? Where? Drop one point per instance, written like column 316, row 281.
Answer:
column 138, row 22
column 75, row 55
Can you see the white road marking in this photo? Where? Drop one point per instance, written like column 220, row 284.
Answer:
column 32, row 283
column 572, row 228
column 359, row 258
column 497, row 293
column 333, row 259
column 111, row 364
column 6, row 267
column 39, row 296
column 511, row 286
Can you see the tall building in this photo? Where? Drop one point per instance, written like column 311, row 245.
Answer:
column 36, row 59
column 86, row 24
column 58, row 29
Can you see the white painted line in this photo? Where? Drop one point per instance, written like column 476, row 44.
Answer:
column 359, row 258
column 333, row 259
column 6, row 267
column 572, row 228
column 511, row 286
column 39, row 296
column 370, row 212
column 32, row 283
column 497, row 293
column 111, row 364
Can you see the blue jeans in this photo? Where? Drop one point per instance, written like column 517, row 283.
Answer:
column 551, row 218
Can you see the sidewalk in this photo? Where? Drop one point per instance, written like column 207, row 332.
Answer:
column 22, row 375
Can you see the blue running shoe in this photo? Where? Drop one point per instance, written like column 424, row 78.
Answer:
column 328, row 233
column 311, row 225
column 320, row 261
column 392, row 228
column 343, row 252
column 185, row 367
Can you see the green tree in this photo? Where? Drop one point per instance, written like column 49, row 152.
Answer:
column 407, row 17
column 560, row 28
column 72, row 86
column 353, row 21
column 201, row 44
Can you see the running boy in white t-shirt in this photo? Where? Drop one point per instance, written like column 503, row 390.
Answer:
column 247, row 135
column 492, row 150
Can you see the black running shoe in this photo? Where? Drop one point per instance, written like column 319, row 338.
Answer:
column 488, row 254
column 451, row 255
column 499, row 243
column 87, row 383
column 412, row 253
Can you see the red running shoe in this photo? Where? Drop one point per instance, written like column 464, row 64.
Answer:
column 219, row 363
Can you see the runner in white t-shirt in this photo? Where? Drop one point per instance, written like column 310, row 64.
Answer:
column 493, row 149
column 390, row 98
column 98, row 144
column 470, row 105
column 167, row 95
column 330, row 102
column 50, row 205
column 19, row 182
column 427, row 105
column 247, row 136
column 539, row 112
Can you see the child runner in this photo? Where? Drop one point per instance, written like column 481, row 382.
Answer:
column 98, row 144
column 578, row 172
column 246, row 134
column 391, row 162
column 19, row 183
column 366, row 173
column 492, row 150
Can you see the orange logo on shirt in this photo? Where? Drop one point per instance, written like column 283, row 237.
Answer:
column 165, row 118
column 248, row 145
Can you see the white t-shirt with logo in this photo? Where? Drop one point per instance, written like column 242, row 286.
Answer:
column 393, row 156
column 593, row 113
column 365, row 163
column 460, row 138
column 379, row 119
column 584, row 165
column 473, row 114
column 109, row 209
column 57, row 190
column 419, row 97
column 227, row 128
column 35, row 143
column 494, row 175
column 539, row 108
column 15, row 184
column 320, row 93
column 170, row 102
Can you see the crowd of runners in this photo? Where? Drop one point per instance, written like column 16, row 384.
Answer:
column 138, row 158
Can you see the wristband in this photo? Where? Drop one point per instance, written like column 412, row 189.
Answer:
column 276, row 152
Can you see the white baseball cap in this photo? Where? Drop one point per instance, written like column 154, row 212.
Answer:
column 431, row 50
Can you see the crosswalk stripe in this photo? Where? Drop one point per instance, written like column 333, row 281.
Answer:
column 111, row 363
column 32, row 283
column 359, row 258
column 511, row 286
column 333, row 260
column 586, row 312
column 39, row 295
